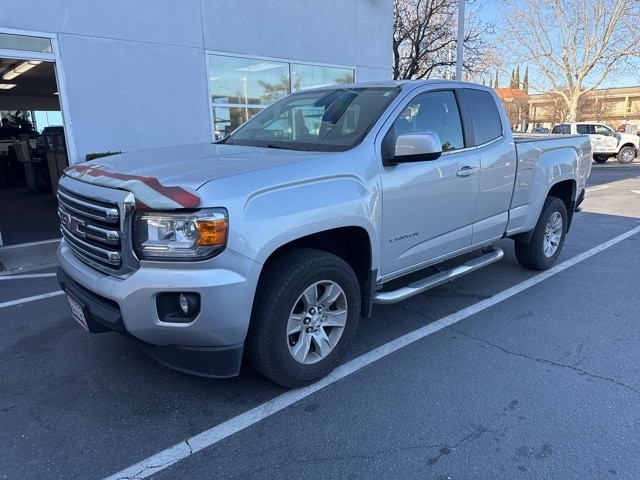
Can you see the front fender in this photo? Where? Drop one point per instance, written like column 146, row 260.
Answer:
column 280, row 203
column 278, row 215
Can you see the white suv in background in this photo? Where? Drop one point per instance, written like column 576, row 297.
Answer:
column 605, row 141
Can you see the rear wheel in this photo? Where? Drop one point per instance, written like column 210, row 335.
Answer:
column 548, row 237
column 626, row 155
column 600, row 158
column 305, row 314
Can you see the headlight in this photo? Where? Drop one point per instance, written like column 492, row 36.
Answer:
column 179, row 236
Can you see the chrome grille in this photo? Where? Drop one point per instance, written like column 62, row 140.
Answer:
column 97, row 230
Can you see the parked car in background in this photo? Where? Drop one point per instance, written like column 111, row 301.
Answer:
column 540, row 130
column 605, row 141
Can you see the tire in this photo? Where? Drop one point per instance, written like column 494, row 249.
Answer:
column 600, row 158
column 542, row 251
column 305, row 314
column 626, row 155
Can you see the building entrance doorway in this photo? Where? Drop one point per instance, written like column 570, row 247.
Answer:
column 32, row 142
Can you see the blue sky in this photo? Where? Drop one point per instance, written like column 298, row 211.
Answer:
column 491, row 13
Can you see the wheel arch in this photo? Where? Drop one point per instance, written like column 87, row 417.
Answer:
column 351, row 244
column 564, row 190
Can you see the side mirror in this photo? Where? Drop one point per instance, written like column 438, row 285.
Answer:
column 417, row 147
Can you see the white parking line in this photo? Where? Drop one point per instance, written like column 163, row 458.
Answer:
column 190, row 446
column 593, row 189
column 23, row 277
column 20, row 301
column 30, row 244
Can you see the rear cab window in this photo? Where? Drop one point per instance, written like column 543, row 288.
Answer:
column 487, row 124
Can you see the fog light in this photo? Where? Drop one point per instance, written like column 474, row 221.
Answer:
column 177, row 307
column 184, row 304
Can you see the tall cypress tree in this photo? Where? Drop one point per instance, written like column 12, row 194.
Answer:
column 525, row 81
column 517, row 78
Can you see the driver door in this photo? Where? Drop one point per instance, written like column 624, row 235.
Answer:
column 429, row 206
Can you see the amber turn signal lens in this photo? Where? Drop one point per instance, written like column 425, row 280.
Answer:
column 212, row 232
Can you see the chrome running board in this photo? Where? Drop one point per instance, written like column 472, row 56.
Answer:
column 492, row 254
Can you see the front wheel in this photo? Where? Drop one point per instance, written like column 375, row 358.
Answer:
column 542, row 251
column 600, row 158
column 305, row 314
column 626, row 155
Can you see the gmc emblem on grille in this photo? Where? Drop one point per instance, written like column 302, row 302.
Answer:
column 73, row 224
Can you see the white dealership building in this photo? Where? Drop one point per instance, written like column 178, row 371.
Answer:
column 132, row 75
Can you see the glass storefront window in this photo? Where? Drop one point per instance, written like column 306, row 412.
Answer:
column 247, row 81
column 312, row 76
column 241, row 87
column 23, row 42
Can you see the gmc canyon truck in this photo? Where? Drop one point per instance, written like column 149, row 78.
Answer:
column 270, row 244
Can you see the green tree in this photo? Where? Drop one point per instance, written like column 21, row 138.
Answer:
column 275, row 91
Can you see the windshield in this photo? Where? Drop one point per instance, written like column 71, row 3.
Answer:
column 330, row 120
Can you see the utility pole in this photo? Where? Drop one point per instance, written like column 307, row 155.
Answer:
column 460, row 39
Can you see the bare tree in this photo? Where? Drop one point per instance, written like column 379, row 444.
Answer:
column 516, row 108
column 573, row 44
column 425, row 37
column 597, row 106
column 557, row 110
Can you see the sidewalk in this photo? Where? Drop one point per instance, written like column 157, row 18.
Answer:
column 28, row 256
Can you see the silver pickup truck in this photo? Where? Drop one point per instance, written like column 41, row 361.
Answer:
column 272, row 243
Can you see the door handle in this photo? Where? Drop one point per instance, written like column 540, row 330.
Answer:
column 466, row 171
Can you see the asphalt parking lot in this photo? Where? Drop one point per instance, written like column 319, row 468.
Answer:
column 505, row 373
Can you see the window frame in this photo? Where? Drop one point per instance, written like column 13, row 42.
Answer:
column 469, row 119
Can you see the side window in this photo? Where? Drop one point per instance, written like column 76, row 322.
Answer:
column 433, row 112
column 485, row 115
column 582, row 129
column 602, row 130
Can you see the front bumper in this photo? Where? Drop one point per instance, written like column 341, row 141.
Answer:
column 102, row 316
column 210, row 345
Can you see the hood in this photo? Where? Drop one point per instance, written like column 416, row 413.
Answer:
column 194, row 165
column 168, row 178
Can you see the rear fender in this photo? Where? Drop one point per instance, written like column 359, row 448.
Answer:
column 546, row 169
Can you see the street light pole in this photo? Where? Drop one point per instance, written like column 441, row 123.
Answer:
column 246, row 110
column 460, row 40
